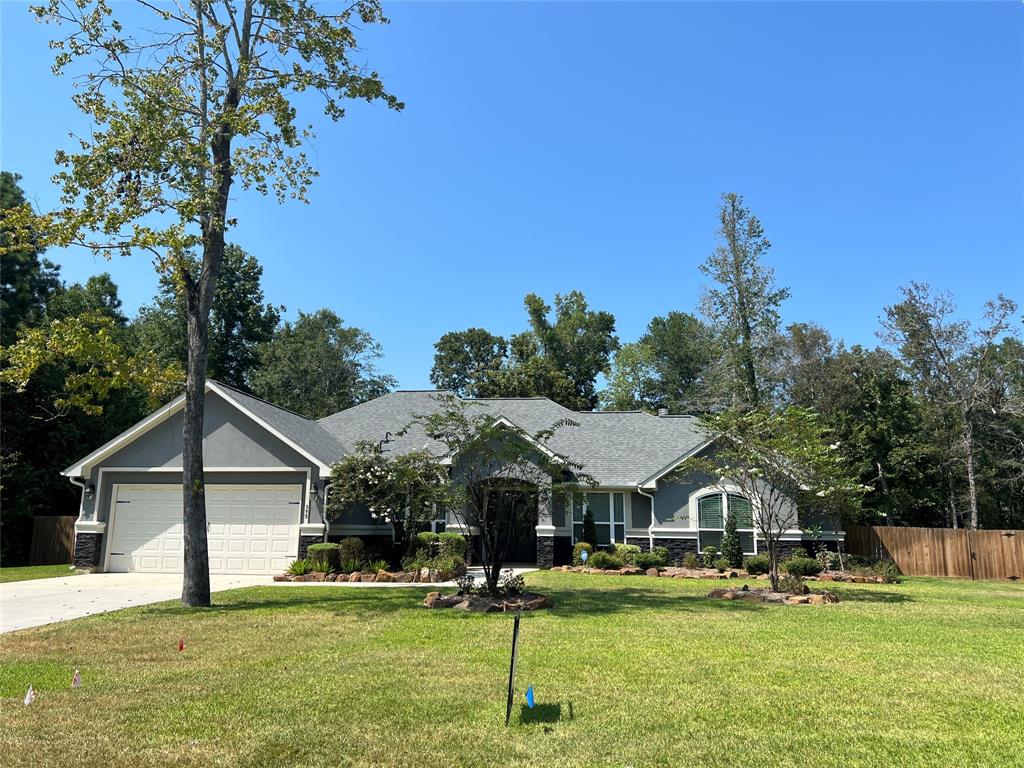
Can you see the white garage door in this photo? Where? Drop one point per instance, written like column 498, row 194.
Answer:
column 251, row 528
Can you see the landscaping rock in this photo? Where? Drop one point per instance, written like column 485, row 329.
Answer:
column 283, row 577
column 826, row 577
column 318, row 577
column 332, row 577
column 631, row 570
column 798, row 600
column 431, row 599
column 384, row 576
column 651, row 572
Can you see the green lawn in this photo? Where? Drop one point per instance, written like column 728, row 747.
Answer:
column 628, row 671
column 29, row 572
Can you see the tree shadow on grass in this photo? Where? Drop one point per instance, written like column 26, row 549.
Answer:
column 341, row 600
column 542, row 713
column 855, row 595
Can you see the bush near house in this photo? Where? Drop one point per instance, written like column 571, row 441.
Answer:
column 605, row 561
column 324, row 558
column 579, row 549
column 801, row 566
column 300, row 567
column 692, row 561
column 756, row 565
column 710, row 553
column 627, row 553
column 351, row 552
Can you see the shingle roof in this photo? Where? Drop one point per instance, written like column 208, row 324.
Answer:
column 305, row 433
column 616, row 448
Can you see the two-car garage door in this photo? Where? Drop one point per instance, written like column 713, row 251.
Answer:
column 250, row 528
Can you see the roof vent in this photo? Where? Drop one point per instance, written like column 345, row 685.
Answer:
column 663, row 411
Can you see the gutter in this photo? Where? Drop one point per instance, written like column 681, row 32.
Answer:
column 83, row 484
column 650, row 528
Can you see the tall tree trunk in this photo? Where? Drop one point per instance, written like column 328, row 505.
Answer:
column 195, row 588
column 972, row 487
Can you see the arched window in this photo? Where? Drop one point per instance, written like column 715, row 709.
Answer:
column 740, row 507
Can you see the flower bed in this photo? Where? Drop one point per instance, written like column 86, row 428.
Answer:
column 420, row 576
column 768, row 596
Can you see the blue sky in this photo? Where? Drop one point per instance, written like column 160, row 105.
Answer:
column 547, row 147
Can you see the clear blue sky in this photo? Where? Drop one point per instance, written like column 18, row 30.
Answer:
column 547, row 147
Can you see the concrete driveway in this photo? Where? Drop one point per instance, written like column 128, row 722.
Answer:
column 45, row 601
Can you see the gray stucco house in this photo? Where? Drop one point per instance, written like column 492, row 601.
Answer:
column 267, row 472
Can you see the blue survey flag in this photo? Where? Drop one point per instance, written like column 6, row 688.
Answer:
column 529, row 697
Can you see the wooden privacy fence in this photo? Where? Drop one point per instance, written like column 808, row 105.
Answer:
column 954, row 552
column 53, row 540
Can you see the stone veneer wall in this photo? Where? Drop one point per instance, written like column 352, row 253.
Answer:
column 545, row 551
column 304, row 542
column 88, row 547
column 677, row 548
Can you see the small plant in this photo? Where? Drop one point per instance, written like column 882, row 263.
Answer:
column 792, row 584
column 721, row 564
column 325, row 558
column 300, row 567
column 466, row 583
column 377, row 565
column 691, row 560
column 799, row 552
column 578, row 550
column 888, row 570
column 605, row 561
column 756, row 565
column 647, row 560
column 627, row 553
column 510, row 583
column 801, row 566
column 710, row 553
column 827, row 559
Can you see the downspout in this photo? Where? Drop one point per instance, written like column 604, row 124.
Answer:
column 81, row 499
column 323, row 512
column 650, row 528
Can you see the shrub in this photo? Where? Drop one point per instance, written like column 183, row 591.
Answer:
column 647, row 560
column 604, row 560
column 732, row 548
column 798, row 552
column 691, row 561
column 801, row 566
column 425, row 539
column 721, row 564
column 300, row 567
column 350, row 553
column 661, row 553
column 578, row 549
column 452, row 544
column 377, row 565
column 589, row 529
column 792, row 583
column 828, row 559
column 627, row 553
column 888, row 570
column 756, row 565
column 710, row 553
column 510, row 583
column 324, row 558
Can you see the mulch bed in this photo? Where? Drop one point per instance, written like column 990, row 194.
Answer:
column 528, row 601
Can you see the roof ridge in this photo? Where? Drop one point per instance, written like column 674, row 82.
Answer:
column 261, row 400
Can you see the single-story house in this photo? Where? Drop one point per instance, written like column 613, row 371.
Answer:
column 268, row 470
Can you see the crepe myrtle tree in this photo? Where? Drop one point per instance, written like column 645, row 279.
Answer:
column 781, row 461
column 187, row 101
column 500, row 474
column 402, row 491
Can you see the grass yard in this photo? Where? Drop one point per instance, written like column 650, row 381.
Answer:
column 29, row 572
column 627, row 672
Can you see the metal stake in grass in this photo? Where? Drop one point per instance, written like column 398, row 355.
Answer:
column 512, row 668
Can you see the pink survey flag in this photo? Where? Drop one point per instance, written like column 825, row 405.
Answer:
column 76, row 680
column 181, row 645
column 30, row 696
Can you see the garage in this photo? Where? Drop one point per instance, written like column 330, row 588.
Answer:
column 250, row 528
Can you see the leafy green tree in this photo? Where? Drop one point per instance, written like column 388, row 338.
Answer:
column 317, row 366
column 240, row 320
column 26, row 280
column 633, row 384
column 99, row 295
column 184, row 105
column 743, row 305
column 951, row 362
column 499, row 475
column 783, row 462
column 469, row 363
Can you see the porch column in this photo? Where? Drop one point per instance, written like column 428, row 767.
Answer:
column 545, row 532
column 88, row 544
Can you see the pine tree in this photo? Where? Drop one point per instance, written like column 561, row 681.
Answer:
column 732, row 549
column 589, row 529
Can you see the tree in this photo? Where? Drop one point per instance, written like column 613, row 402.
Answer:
column 744, row 307
column 26, row 280
column 499, row 475
column 99, row 295
column 781, row 461
column 951, row 363
column 666, row 368
column 240, row 320
column 317, row 366
column 182, row 105
column 468, row 362
column 401, row 491
column 589, row 528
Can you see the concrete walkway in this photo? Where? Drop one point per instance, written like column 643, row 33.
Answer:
column 45, row 601
column 26, row 604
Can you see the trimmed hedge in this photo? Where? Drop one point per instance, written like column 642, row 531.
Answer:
column 627, row 552
column 324, row 558
column 580, row 548
column 604, row 560
column 756, row 565
column 802, row 566
column 351, row 553
column 452, row 544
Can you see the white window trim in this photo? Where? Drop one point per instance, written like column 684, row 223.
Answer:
column 724, row 492
column 612, row 522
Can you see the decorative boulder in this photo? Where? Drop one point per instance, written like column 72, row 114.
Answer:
column 651, row 571
column 384, row 576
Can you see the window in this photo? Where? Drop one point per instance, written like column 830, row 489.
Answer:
column 711, row 521
column 609, row 511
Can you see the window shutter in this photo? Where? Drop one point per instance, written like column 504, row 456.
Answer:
column 710, row 512
column 740, row 507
